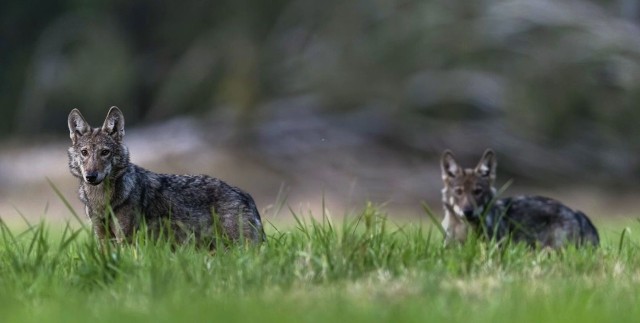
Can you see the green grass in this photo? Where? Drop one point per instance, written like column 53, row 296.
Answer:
column 361, row 269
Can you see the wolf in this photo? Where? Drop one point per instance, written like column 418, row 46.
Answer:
column 471, row 207
column 122, row 198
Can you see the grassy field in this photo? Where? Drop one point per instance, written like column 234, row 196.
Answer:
column 362, row 269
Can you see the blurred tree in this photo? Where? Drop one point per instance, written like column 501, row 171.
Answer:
column 520, row 75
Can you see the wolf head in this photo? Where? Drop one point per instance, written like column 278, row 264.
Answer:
column 97, row 153
column 468, row 191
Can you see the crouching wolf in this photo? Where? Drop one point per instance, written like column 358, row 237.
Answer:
column 471, row 206
column 121, row 198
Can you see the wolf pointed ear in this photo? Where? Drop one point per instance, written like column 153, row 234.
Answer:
column 449, row 166
column 487, row 165
column 77, row 125
column 114, row 124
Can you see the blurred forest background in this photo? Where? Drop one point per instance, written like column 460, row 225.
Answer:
column 342, row 100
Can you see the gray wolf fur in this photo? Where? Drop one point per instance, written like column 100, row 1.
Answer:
column 471, row 207
column 121, row 198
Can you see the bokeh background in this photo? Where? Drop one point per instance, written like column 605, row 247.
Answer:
column 304, row 102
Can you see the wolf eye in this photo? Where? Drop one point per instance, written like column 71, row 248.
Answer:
column 84, row 152
column 477, row 191
column 458, row 191
column 105, row 152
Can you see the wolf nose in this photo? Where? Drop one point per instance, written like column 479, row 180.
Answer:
column 468, row 213
column 91, row 177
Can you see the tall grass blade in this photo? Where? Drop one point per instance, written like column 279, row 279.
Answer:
column 66, row 202
column 434, row 219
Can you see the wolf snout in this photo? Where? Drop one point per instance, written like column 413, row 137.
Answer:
column 469, row 213
column 92, row 178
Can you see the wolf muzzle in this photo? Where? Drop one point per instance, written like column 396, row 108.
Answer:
column 472, row 214
column 92, row 178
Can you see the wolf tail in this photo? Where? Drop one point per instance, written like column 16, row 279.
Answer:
column 256, row 221
column 588, row 232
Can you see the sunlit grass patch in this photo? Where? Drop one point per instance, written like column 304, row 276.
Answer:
column 362, row 267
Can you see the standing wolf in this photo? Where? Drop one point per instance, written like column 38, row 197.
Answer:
column 470, row 206
column 120, row 197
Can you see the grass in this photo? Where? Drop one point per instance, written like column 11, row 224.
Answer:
column 362, row 269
